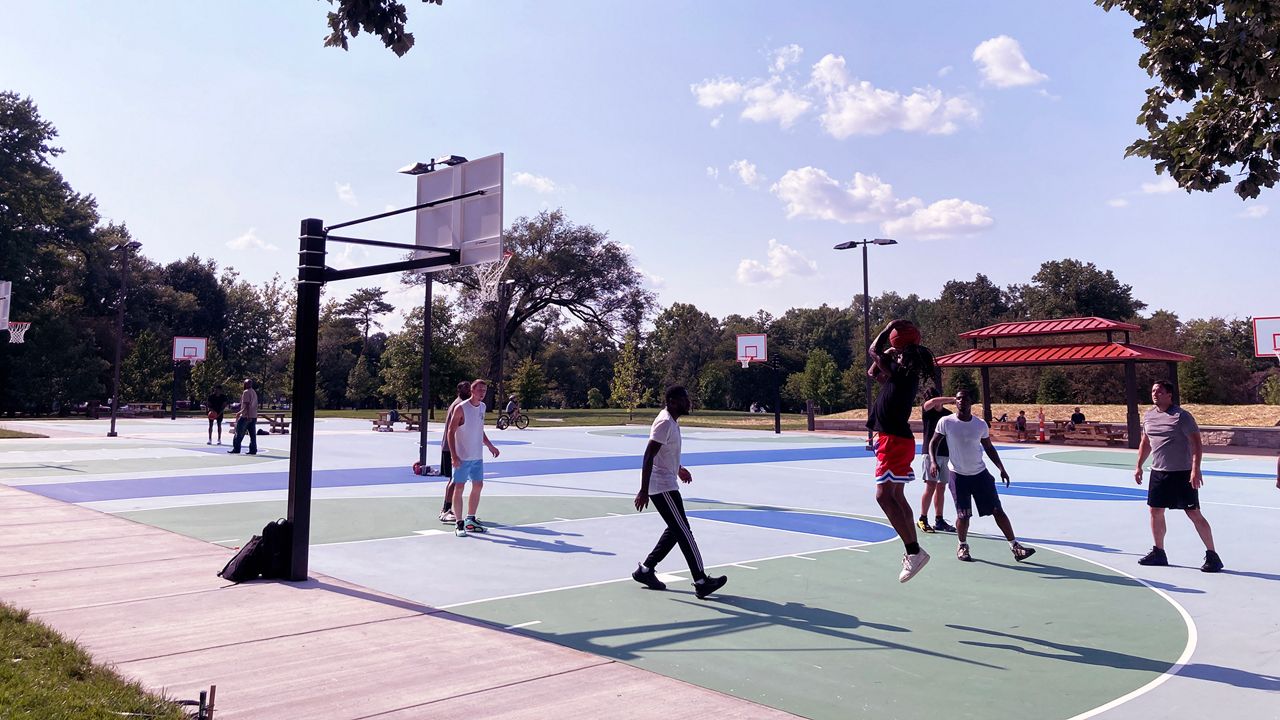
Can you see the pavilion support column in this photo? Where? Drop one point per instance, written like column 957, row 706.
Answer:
column 1131, row 397
column 1173, row 378
column 986, row 394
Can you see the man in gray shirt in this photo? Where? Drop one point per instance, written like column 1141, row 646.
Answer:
column 1172, row 439
column 246, row 420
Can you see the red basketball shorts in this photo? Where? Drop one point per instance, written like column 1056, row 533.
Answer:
column 893, row 458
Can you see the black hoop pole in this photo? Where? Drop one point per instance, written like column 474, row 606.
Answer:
column 411, row 208
column 311, row 279
column 426, row 375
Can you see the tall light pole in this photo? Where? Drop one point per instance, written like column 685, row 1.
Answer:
column 124, row 249
column 866, row 314
column 501, row 314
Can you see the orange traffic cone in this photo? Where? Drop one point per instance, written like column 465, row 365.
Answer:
column 1042, row 437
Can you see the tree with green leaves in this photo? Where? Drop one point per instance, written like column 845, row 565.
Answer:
column 1270, row 390
column 146, row 374
column 362, row 384
column 626, row 389
column 713, row 386
column 962, row 379
column 820, row 380
column 529, row 383
column 595, row 399
column 1070, row 288
column 1054, row 388
column 684, row 339
column 364, row 307
column 1215, row 62
column 211, row 373
column 383, row 18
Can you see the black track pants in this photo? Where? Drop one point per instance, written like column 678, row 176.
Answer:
column 671, row 508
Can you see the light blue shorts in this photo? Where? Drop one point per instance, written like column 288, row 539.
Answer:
column 472, row 470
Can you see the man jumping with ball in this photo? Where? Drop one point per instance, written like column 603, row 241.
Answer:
column 899, row 362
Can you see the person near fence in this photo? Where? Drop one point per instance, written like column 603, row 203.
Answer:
column 246, row 420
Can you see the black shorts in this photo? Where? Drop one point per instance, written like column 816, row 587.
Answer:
column 1171, row 489
column 970, row 490
column 446, row 463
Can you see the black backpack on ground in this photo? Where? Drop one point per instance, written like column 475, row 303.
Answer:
column 264, row 556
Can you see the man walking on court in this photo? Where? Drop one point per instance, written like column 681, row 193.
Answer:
column 246, row 420
column 467, row 441
column 935, row 484
column 967, row 437
column 898, row 369
column 1171, row 437
column 446, row 458
column 658, row 474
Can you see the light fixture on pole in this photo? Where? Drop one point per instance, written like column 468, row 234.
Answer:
column 124, row 249
column 866, row 313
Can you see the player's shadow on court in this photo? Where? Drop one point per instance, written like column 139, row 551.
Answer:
column 1112, row 659
column 524, row 543
column 1053, row 572
column 1247, row 573
column 1081, row 545
column 739, row 615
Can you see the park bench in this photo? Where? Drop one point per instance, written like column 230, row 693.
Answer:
column 383, row 423
column 153, row 409
column 275, row 423
column 1101, row 434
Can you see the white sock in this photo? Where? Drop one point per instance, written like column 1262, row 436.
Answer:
column 1013, row 545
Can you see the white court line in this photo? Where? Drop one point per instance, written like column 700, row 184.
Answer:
column 1181, row 662
column 1256, row 507
column 804, row 557
column 744, row 567
column 422, row 533
column 524, row 624
column 825, row 470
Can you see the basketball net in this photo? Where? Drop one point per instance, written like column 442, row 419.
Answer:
column 18, row 331
column 488, row 276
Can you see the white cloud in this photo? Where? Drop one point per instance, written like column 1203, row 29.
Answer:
column 811, row 193
column 945, row 70
column 250, row 241
column 655, row 281
column 1160, row 187
column 856, row 107
column 1002, row 64
column 1254, row 212
column 713, row 173
column 747, row 172
column 1118, row 202
column 537, row 183
column 765, row 103
column 346, row 194
column 714, row 93
column 783, row 261
column 785, row 57
column 715, row 121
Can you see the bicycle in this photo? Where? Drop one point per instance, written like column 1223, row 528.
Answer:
column 521, row 421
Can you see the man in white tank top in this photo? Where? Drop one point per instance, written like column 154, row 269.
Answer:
column 467, row 442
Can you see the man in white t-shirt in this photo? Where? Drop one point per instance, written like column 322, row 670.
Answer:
column 658, row 475
column 446, row 458
column 467, row 442
column 967, row 438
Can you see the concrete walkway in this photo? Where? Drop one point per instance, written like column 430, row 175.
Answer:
column 148, row 602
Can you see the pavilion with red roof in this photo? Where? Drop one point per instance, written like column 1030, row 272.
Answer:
column 1111, row 351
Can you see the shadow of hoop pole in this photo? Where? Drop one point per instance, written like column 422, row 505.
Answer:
column 312, row 277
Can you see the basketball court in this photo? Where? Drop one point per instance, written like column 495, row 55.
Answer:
column 813, row 620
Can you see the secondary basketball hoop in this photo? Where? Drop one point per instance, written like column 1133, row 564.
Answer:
column 489, row 276
column 752, row 347
column 189, row 349
column 1266, row 337
column 18, row 331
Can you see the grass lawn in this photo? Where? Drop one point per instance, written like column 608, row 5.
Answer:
column 16, row 434
column 539, row 417
column 44, row 677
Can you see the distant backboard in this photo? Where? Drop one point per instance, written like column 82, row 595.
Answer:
column 1266, row 337
column 474, row 225
column 190, row 349
column 753, row 348
column 6, row 289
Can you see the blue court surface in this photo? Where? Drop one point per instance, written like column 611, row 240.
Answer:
column 813, row 620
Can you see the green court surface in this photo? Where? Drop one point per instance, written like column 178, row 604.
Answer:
column 1052, row 637
column 160, row 460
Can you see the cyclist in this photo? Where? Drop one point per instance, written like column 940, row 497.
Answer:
column 513, row 409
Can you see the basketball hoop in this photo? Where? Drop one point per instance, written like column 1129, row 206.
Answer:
column 746, row 364
column 488, row 276
column 17, row 331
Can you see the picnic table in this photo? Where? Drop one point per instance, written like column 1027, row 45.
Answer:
column 1104, row 434
column 276, row 422
column 384, row 423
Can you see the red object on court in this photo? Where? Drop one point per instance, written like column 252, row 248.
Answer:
column 1042, row 437
column 417, row 468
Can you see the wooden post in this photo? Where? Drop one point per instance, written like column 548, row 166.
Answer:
column 1131, row 397
column 808, row 409
column 986, row 394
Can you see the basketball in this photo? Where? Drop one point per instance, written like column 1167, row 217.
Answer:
column 901, row 338
column 213, row 415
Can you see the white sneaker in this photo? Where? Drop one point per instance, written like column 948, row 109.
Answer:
column 912, row 564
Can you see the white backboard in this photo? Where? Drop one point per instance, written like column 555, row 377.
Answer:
column 753, row 348
column 474, row 225
column 1266, row 336
column 6, row 289
column 191, row 349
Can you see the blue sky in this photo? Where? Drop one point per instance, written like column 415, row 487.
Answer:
column 729, row 145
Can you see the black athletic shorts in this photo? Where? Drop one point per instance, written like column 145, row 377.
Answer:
column 1172, row 489
column 446, row 463
column 970, row 490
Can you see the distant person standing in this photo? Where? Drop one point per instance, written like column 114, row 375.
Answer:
column 246, row 420
column 467, row 442
column 446, row 458
column 217, row 404
column 1077, row 417
column 659, row 472
column 1021, row 424
column 1171, row 437
column 935, row 484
